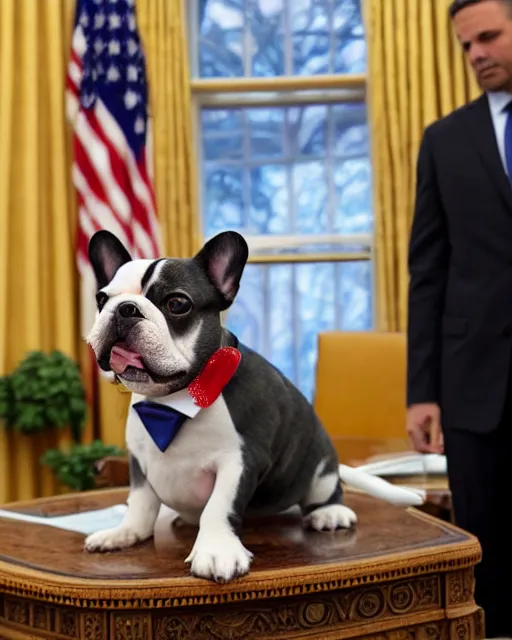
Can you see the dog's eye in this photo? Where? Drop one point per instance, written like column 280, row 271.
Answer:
column 179, row 305
column 101, row 299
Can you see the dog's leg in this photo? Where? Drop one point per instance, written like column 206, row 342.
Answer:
column 139, row 521
column 322, row 507
column 218, row 553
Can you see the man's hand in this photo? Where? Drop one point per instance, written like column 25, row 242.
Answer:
column 424, row 428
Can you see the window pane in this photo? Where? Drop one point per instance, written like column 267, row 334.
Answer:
column 281, row 308
column 266, row 131
column 353, row 213
column 221, row 38
column 266, row 39
column 280, row 37
column 349, row 38
column 307, row 130
column 355, row 302
column 280, row 286
column 349, row 130
column 287, row 170
column 222, row 133
column 269, row 200
column 311, row 30
column 317, row 312
column 310, row 197
column 223, row 199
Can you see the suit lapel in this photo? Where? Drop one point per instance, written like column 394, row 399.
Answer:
column 479, row 120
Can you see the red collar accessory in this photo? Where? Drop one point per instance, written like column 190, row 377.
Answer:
column 215, row 375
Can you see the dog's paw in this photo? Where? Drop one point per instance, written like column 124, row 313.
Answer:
column 219, row 557
column 111, row 539
column 331, row 517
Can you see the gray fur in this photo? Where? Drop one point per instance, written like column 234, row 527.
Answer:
column 284, row 441
column 137, row 477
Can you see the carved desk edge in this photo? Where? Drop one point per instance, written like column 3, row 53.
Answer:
column 189, row 591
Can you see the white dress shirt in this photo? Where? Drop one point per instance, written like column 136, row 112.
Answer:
column 498, row 100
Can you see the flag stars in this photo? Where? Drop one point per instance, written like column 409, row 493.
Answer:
column 87, row 100
column 130, row 99
column 113, row 74
column 114, row 47
column 132, row 73
column 114, row 20
column 139, row 126
column 113, row 56
column 99, row 20
column 132, row 47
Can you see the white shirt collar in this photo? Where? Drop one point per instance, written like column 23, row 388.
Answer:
column 181, row 401
column 498, row 100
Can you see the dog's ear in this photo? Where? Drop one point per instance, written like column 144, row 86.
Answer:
column 106, row 253
column 223, row 259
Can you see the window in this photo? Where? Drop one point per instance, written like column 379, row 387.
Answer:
column 278, row 89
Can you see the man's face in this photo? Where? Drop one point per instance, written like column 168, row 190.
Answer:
column 485, row 33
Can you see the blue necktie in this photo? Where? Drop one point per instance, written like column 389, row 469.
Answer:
column 508, row 140
column 161, row 422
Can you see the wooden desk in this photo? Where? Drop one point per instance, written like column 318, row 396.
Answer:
column 399, row 574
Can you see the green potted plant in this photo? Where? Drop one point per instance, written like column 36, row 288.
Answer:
column 47, row 392
column 75, row 468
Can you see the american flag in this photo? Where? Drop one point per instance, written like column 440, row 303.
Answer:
column 107, row 105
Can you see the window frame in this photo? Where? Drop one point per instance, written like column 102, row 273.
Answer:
column 276, row 91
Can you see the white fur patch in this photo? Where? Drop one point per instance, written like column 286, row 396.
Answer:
column 137, row 526
column 331, row 517
column 128, row 278
column 181, row 401
column 207, row 448
column 322, row 486
column 202, row 444
column 218, row 554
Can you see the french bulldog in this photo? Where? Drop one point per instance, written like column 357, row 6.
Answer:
column 241, row 442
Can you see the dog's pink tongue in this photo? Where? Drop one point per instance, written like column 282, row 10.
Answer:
column 121, row 357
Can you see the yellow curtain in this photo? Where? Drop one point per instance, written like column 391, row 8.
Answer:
column 38, row 304
column 162, row 25
column 416, row 74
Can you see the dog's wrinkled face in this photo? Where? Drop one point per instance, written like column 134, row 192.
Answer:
column 158, row 321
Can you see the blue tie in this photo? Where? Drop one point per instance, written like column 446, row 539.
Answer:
column 161, row 422
column 508, row 140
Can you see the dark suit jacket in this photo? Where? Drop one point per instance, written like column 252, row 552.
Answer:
column 460, row 264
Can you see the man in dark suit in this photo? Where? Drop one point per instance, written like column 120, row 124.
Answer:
column 459, row 353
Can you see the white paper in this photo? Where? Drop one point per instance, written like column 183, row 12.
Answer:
column 85, row 522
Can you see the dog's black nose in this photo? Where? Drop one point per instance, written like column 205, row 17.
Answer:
column 129, row 310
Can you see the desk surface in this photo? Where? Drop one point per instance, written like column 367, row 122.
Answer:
column 398, row 574
column 387, row 540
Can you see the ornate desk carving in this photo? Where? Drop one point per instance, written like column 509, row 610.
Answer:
column 400, row 575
